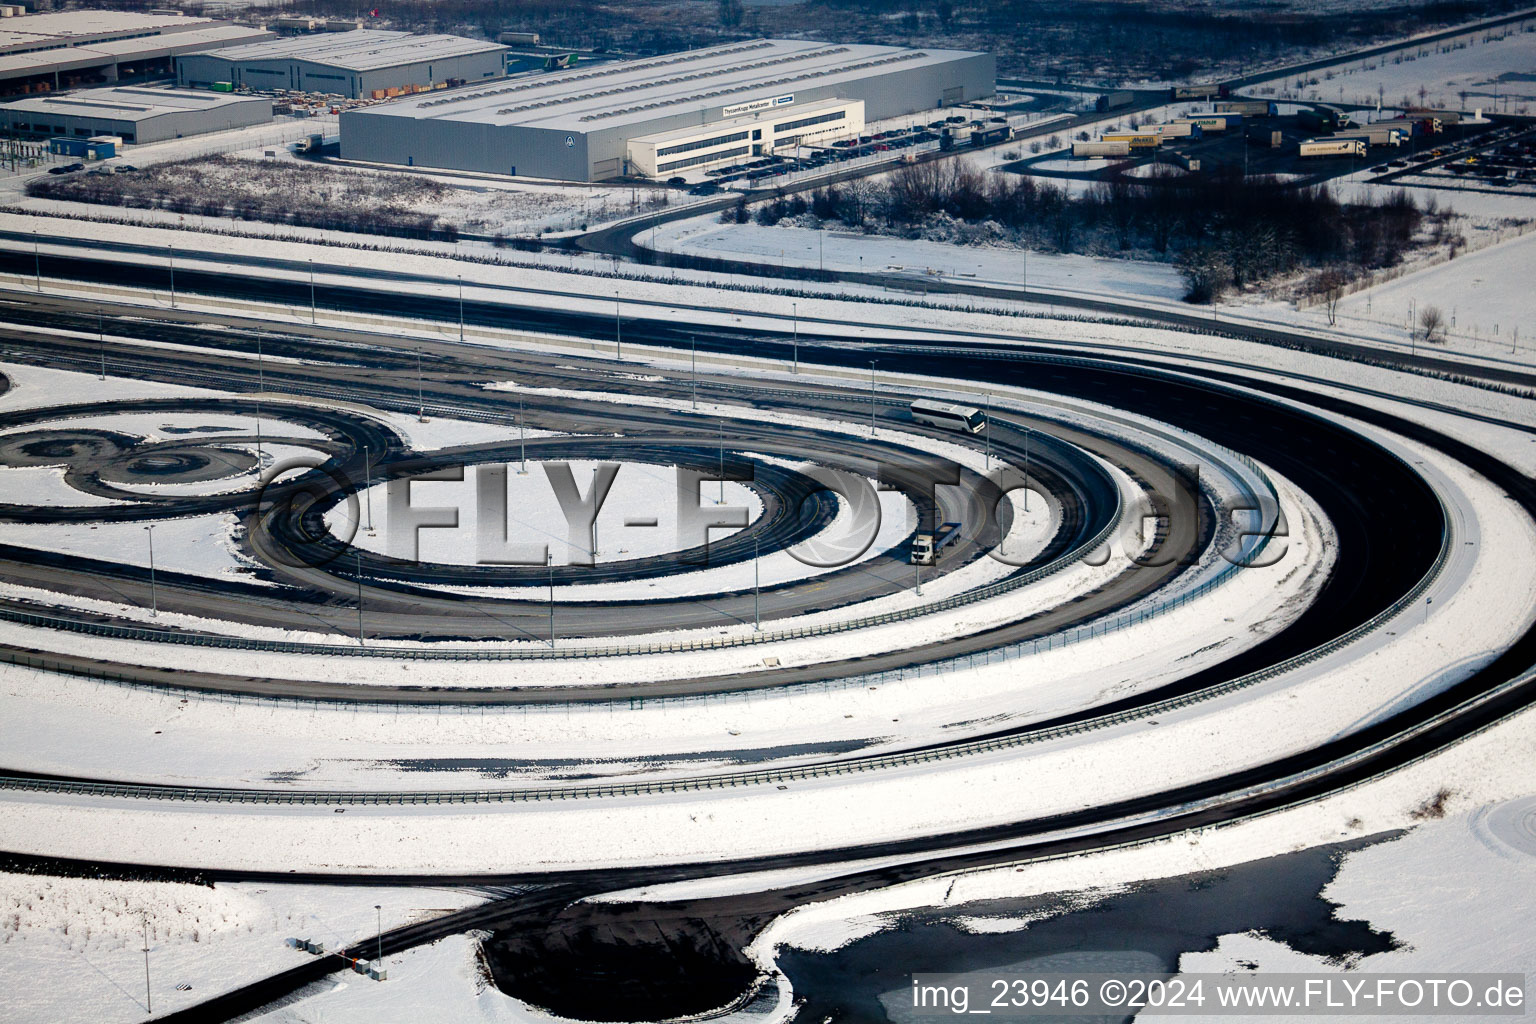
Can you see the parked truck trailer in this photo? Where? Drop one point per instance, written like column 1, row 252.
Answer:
column 1374, row 134
column 1114, row 100
column 1213, row 122
column 1101, row 149
column 1333, row 148
column 1136, row 140
column 1249, row 108
column 1208, row 90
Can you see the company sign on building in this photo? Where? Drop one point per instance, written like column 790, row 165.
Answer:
column 756, row 105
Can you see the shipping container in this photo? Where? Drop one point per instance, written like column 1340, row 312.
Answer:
column 222, row 87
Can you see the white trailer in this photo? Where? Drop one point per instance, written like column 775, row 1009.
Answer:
column 1101, row 149
column 1374, row 134
column 1175, row 130
column 1212, row 122
column 1333, row 148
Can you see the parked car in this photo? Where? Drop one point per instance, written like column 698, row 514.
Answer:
column 677, row 182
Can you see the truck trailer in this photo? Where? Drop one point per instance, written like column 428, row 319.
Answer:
column 1176, row 130
column 1249, row 108
column 1101, row 149
column 1333, row 148
column 1136, row 140
column 1374, row 134
column 1213, row 122
column 1324, row 119
column 1209, row 90
column 1114, row 100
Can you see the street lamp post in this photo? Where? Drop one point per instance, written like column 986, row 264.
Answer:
column 154, row 600
column 261, row 384
column 549, row 560
column 618, row 330
column 368, row 485
column 522, row 440
column 757, row 611
column 872, row 398
column 988, row 423
column 171, row 255
column 101, row 342
column 421, row 402
column 722, row 462
column 461, row 308
column 378, row 915
column 311, row 289
column 359, row 555
column 148, row 1003
column 1026, row 469
column 37, row 263
column 795, row 314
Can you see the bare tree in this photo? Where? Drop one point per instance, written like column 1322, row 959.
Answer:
column 1432, row 325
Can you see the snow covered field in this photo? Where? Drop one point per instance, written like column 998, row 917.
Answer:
column 1469, row 77
column 848, row 251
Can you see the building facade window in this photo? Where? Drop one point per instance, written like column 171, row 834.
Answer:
column 707, row 158
column 689, row 147
column 789, row 126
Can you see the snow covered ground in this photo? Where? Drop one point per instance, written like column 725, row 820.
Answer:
column 1468, row 77
column 80, row 942
column 849, row 251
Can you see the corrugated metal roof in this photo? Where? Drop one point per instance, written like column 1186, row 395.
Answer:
column 362, row 50
column 127, row 103
column 635, row 91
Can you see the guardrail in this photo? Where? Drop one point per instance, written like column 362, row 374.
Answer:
column 732, row 780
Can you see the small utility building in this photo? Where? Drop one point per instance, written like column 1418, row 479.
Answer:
column 134, row 114
column 358, row 65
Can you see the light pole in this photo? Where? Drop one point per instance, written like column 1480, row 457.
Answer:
column 872, row 398
column 37, row 264
column 421, row 402
column 917, row 573
column 594, row 517
column 794, row 308
column 522, row 440
column 757, row 610
column 148, row 1004
column 311, row 289
column 461, row 309
column 154, row 600
column 378, row 915
column 171, row 255
column 693, row 369
column 618, row 330
column 101, row 342
column 722, row 463
column 368, row 485
column 988, row 423
column 549, row 560
column 359, row 555
column 261, row 385
column 1026, row 469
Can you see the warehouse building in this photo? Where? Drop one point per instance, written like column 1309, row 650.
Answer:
column 662, row 115
column 69, row 49
column 356, row 65
column 133, row 113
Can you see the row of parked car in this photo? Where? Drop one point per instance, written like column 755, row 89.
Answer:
column 100, row 171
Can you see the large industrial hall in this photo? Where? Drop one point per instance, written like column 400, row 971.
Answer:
column 659, row 115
